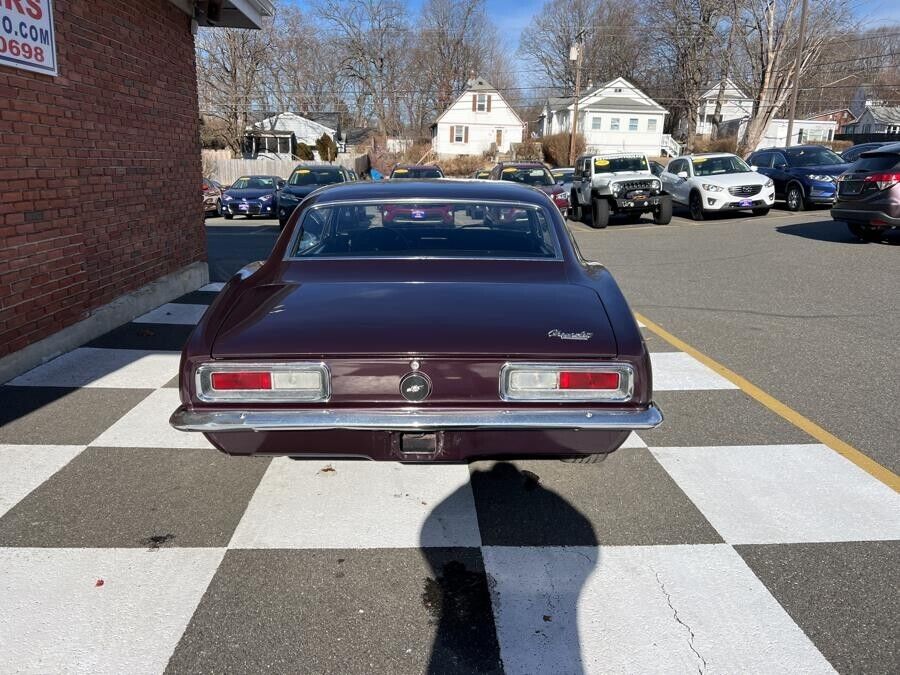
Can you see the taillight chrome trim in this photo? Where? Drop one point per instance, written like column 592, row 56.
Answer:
column 205, row 392
column 623, row 394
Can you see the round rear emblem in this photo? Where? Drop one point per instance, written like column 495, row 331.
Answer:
column 415, row 387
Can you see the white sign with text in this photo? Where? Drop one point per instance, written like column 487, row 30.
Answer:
column 27, row 40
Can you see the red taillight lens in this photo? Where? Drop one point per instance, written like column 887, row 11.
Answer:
column 585, row 380
column 205, row 187
column 883, row 180
column 252, row 381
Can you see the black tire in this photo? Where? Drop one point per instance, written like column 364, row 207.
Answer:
column 584, row 459
column 695, row 204
column 219, row 207
column 866, row 233
column 663, row 213
column 227, row 216
column 761, row 211
column 793, row 198
column 599, row 213
column 576, row 211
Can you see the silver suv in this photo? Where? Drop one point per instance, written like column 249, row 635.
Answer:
column 617, row 184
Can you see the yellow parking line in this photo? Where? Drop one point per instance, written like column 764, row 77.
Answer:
column 861, row 460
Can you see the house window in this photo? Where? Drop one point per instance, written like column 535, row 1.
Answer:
column 651, row 125
column 459, row 134
column 633, row 124
column 614, row 123
column 481, row 104
column 595, row 122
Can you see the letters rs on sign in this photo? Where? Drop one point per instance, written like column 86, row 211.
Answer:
column 27, row 40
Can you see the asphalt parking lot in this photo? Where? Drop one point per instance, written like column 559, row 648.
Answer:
column 734, row 538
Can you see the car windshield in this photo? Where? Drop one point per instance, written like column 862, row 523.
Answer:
column 531, row 175
column 417, row 172
column 254, row 183
column 433, row 229
column 711, row 166
column 811, row 157
column 482, row 175
column 316, row 176
column 618, row 164
column 562, row 175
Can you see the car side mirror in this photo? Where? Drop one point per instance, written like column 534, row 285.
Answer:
column 682, row 174
column 781, row 165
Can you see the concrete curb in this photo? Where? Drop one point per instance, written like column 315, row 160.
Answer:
column 103, row 319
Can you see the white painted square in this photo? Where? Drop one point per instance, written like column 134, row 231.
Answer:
column 54, row 618
column 114, row 368
column 25, row 467
column 360, row 504
column 173, row 312
column 613, row 610
column 633, row 441
column 678, row 371
column 147, row 426
column 783, row 493
column 214, row 287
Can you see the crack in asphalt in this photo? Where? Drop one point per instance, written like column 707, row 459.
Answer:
column 751, row 312
column 702, row 667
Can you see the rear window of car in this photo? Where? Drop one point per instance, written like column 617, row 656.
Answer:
column 879, row 162
column 430, row 229
column 417, row 172
column 531, row 175
column 315, row 176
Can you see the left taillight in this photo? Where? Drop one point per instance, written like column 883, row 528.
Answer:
column 280, row 382
column 612, row 382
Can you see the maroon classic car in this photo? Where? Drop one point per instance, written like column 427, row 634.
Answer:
column 536, row 175
column 436, row 340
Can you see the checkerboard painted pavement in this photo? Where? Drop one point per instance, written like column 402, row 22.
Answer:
column 724, row 541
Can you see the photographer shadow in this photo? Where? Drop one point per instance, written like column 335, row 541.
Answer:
column 511, row 606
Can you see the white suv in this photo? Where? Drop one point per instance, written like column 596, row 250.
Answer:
column 717, row 182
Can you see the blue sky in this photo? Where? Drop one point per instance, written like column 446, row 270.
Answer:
column 511, row 16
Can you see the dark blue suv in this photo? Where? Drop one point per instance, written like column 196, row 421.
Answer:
column 804, row 175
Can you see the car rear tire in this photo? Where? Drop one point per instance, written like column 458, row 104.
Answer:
column 227, row 216
column 761, row 212
column 577, row 211
column 695, row 204
column 866, row 233
column 218, row 207
column 584, row 459
column 663, row 213
column 793, row 198
column 599, row 213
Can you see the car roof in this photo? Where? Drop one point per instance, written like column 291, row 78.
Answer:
column 443, row 188
column 416, row 166
column 793, row 147
column 521, row 164
column 883, row 147
column 706, row 155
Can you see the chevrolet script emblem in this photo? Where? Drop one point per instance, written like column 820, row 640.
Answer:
column 562, row 335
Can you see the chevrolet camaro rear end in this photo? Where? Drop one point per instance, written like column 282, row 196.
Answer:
column 479, row 334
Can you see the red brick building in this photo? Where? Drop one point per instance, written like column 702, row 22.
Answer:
column 100, row 209
column 843, row 117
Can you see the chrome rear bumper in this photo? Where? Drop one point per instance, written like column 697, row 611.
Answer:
column 215, row 421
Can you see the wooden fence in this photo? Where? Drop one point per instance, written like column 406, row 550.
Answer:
column 226, row 170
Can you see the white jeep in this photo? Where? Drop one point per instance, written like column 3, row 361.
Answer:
column 618, row 183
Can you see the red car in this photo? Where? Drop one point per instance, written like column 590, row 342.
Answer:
column 438, row 341
column 534, row 174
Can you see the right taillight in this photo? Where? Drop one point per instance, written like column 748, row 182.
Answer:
column 567, row 382
column 883, row 180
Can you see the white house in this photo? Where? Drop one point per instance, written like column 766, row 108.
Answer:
column 876, row 119
column 775, row 135
column 475, row 122
column 277, row 137
column 614, row 116
column 736, row 105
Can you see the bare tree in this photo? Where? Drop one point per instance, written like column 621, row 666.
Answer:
column 231, row 65
column 769, row 44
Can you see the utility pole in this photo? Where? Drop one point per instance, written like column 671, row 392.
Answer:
column 797, row 63
column 575, row 55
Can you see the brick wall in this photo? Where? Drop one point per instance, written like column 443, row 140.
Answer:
column 99, row 167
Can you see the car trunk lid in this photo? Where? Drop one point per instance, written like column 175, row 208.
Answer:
column 416, row 318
